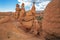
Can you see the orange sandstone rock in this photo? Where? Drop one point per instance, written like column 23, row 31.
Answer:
column 51, row 18
column 22, row 12
column 17, row 13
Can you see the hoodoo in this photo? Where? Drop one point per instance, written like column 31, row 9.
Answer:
column 17, row 11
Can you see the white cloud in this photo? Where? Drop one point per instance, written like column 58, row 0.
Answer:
column 41, row 6
column 27, row 4
column 19, row 0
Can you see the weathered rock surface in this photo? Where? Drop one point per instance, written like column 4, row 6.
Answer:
column 51, row 20
column 17, row 13
column 10, row 31
column 27, row 18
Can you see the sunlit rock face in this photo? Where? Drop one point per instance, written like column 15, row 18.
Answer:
column 22, row 12
column 28, row 17
column 16, row 15
column 51, row 19
column 31, row 14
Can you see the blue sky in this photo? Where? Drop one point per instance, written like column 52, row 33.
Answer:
column 9, row 5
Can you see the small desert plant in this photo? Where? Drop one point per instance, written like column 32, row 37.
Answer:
column 39, row 17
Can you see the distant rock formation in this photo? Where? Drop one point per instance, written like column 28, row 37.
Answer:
column 17, row 13
column 26, row 17
column 33, row 10
column 31, row 14
column 51, row 19
column 22, row 12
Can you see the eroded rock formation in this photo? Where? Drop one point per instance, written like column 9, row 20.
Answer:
column 22, row 12
column 29, row 17
column 17, row 13
column 51, row 19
